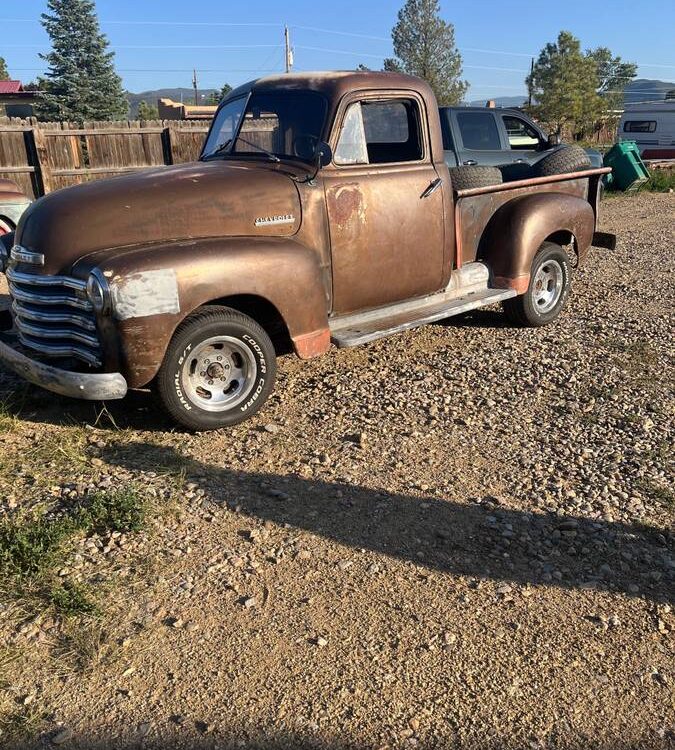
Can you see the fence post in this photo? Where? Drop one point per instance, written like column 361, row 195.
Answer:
column 167, row 146
column 42, row 162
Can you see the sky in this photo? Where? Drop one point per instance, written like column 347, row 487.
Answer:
column 157, row 43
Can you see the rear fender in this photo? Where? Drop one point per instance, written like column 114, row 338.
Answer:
column 155, row 288
column 518, row 229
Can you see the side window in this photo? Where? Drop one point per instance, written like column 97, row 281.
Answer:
column 479, row 131
column 639, row 126
column 352, row 148
column 393, row 131
column 521, row 134
column 380, row 132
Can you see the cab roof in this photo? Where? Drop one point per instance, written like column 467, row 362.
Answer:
column 335, row 83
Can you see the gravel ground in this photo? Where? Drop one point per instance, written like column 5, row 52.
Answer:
column 459, row 537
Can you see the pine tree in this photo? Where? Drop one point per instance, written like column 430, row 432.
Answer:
column 564, row 84
column 4, row 73
column 147, row 111
column 424, row 45
column 81, row 83
column 215, row 97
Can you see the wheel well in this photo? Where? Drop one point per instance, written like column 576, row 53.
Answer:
column 565, row 238
column 265, row 314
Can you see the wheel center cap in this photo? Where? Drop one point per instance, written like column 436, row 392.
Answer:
column 215, row 370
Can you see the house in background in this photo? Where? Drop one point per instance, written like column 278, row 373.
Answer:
column 170, row 110
column 15, row 101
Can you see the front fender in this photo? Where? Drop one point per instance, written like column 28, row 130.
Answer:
column 518, row 229
column 155, row 288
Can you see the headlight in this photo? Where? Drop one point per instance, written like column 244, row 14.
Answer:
column 98, row 292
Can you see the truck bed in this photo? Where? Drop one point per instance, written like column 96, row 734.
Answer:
column 474, row 207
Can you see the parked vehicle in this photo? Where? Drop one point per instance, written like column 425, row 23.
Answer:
column 13, row 203
column 652, row 127
column 321, row 210
column 508, row 140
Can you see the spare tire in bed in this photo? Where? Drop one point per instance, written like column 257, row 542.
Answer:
column 464, row 178
column 562, row 160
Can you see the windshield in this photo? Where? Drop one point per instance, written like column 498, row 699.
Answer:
column 281, row 124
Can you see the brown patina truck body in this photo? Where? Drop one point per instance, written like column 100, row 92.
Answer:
column 346, row 253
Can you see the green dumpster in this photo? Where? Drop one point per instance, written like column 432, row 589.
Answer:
column 628, row 169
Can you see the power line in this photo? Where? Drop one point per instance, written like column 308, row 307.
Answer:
column 313, row 29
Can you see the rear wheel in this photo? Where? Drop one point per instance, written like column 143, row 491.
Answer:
column 218, row 369
column 550, row 280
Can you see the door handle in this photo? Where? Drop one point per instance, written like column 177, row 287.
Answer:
column 432, row 187
column 470, row 163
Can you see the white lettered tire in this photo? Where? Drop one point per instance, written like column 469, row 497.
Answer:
column 218, row 370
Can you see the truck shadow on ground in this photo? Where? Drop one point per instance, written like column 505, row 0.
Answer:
column 294, row 740
column 480, row 318
column 482, row 539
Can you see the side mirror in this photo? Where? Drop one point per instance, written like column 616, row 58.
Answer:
column 553, row 139
column 324, row 154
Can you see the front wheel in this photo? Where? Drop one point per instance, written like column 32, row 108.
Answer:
column 218, row 369
column 549, row 288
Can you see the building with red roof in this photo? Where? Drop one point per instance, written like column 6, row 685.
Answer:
column 16, row 101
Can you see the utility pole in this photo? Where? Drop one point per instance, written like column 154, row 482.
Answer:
column 289, row 49
column 529, row 88
column 194, row 86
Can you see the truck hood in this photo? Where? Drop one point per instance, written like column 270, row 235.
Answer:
column 183, row 202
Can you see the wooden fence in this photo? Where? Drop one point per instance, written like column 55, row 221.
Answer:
column 45, row 156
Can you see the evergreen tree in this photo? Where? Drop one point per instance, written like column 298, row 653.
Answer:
column 613, row 76
column 81, row 83
column 424, row 45
column 147, row 111
column 564, row 84
column 217, row 96
column 613, row 73
column 4, row 73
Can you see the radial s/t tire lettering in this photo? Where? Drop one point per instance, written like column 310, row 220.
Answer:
column 549, row 288
column 218, row 370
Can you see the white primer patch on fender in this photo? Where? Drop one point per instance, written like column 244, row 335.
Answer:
column 145, row 293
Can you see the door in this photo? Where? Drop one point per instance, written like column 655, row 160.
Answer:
column 525, row 142
column 385, row 205
column 481, row 142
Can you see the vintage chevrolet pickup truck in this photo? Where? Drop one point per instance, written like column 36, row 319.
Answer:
column 321, row 210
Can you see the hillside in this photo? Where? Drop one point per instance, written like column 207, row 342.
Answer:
column 639, row 90
column 647, row 90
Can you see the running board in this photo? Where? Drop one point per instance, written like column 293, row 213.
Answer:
column 352, row 330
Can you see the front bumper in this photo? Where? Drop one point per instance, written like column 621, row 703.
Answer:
column 94, row 387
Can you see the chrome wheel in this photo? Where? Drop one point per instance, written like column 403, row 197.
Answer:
column 547, row 286
column 219, row 373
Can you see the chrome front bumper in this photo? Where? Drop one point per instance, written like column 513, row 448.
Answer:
column 94, row 387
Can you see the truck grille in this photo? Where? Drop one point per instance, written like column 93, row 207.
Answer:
column 54, row 317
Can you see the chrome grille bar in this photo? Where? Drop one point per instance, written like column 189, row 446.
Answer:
column 53, row 316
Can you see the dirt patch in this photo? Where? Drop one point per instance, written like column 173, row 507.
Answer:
column 457, row 537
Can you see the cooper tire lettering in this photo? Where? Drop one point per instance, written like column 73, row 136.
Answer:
column 191, row 406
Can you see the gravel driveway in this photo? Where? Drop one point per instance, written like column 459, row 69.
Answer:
column 459, row 537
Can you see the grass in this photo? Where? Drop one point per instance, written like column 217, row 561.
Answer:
column 662, row 495
column 33, row 546
column 17, row 723
column 660, row 181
